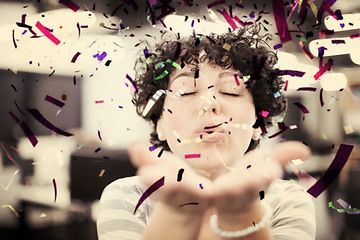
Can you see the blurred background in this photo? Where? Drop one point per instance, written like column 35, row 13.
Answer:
column 66, row 117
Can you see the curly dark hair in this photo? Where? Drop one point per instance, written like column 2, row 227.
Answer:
column 244, row 50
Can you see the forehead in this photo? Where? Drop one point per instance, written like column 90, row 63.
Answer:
column 195, row 71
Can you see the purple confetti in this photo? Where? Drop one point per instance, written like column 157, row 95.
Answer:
column 293, row 73
column 302, row 107
column 152, row 148
column 73, row 60
column 311, row 89
column 38, row 116
column 321, row 98
column 277, row 46
column 155, row 186
column 338, row 41
column 132, row 82
column 333, row 171
column 280, row 20
column 100, row 57
column 54, row 101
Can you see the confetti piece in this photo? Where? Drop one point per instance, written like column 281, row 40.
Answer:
column 192, row 156
column 42, row 215
column 98, row 149
column 333, row 171
column 47, row 33
column 152, row 148
column 101, row 172
column 13, row 38
column 297, row 162
column 55, row 189
column 323, row 69
column 9, row 156
column 132, row 82
column 277, row 46
column 321, row 97
column 29, row 134
column 345, row 210
column 54, row 101
column 151, row 103
column 99, row 135
column 335, row 41
column 201, row 186
column 101, row 56
column 278, row 133
column 229, row 20
column 280, row 20
column 348, row 129
column 277, row 94
column 74, row 58
column 11, row 180
column 162, row 75
column 306, row 51
column 302, row 107
column 12, row 209
column 180, row 174
column 38, row 116
column 215, row 3
column 311, row 89
column 292, row 127
column 262, row 195
column 190, row 203
column 227, row 46
column 236, row 79
column 99, row 101
column 70, row 4
column 293, row 73
column 155, row 186
column 264, row 113
column 188, row 3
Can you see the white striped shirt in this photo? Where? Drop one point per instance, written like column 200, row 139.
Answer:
column 293, row 215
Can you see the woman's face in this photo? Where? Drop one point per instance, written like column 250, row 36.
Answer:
column 207, row 120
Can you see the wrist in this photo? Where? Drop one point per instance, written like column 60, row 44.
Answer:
column 235, row 220
column 247, row 224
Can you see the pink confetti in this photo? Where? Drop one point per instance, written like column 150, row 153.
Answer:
column 237, row 80
column 47, row 33
column 99, row 101
column 280, row 20
column 215, row 3
column 155, row 186
column 323, row 69
column 264, row 113
column 70, row 4
column 196, row 155
column 9, row 156
column 229, row 19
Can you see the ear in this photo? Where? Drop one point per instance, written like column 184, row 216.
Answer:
column 256, row 134
column 160, row 129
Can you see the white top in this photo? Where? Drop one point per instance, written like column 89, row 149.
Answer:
column 293, row 216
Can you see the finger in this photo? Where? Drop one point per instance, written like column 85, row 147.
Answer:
column 140, row 155
column 285, row 152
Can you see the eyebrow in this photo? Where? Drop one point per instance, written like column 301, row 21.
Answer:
column 192, row 74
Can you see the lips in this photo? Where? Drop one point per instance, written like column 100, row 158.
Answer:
column 212, row 133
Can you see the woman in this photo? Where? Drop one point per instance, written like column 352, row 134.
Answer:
column 209, row 98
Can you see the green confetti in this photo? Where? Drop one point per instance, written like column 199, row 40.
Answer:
column 162, row 75
column 347, row 210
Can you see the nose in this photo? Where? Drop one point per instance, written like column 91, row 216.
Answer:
column 209, row 104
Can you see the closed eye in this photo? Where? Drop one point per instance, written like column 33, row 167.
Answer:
column 231, row 94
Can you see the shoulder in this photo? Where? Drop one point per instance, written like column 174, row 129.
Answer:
column 293, row 210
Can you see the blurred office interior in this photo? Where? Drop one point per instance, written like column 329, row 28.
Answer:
column 51, row 182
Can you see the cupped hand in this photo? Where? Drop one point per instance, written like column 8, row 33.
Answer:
column 186, row 194
column 240, row 189
column 233, row 193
